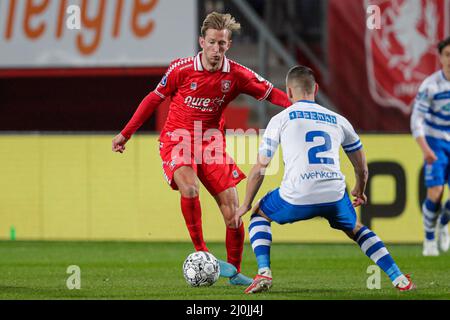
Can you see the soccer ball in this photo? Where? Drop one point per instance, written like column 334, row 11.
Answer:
column 201, row 268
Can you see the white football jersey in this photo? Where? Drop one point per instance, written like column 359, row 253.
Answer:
column 310, row 137
column 431, row 113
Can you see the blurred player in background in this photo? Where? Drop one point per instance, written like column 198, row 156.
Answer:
column 430, row 125
column 200, row 88
column 313, row 185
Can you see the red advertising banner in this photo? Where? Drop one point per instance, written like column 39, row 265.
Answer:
column 375, row 72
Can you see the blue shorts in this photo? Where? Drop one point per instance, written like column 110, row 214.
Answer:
column 340, row 214
column 436, row 174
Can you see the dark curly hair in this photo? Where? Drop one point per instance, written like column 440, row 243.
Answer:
column 442, row 44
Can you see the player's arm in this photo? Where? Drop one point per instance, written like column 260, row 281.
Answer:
column 352, row 145
column 428, row 154
column 146, row 108
column 143, row 112
column 358, row 160
column 259, row 88
column 420, row 109
column 267, row 150
column 279, row 98
column 254, row 182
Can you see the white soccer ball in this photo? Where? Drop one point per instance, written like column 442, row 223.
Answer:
column 201, row 268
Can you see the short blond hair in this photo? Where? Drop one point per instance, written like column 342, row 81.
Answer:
column 220, row 21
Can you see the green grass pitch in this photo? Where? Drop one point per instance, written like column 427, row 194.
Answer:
column 149, row 270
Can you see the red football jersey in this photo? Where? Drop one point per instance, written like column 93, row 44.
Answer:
column 199, row 95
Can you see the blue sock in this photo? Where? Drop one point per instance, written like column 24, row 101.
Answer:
column 261, row 239
column 374, row 248
column 445, row 217
column 430, row 215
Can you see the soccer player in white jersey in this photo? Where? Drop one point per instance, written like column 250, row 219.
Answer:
column 313, row 185
column 430, row 126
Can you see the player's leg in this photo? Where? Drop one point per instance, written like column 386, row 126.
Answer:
column 435, row 175
column 374, row 248
column 272, row 207
column 443, row 234
column 188, row 185
column 228, row 202
column 260, row 234
column 431, row 208
column 442, row 227
column 180, row 171
column 343, row 217
column 220, row 177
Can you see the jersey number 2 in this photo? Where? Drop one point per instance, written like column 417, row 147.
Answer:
column 312, row 153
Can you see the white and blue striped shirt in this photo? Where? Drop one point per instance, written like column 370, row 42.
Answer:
column 310, row 137
column 431, row 113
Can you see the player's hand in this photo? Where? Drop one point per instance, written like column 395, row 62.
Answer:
column 360, row 198
column 429, row 156
column 118, row 143
column 242, row 210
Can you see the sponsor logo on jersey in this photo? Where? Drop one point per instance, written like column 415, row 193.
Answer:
column 226, row 86
column 311, row 115
column 402, row 53
column 204, row 104
column 194, row 86
column 321, row 175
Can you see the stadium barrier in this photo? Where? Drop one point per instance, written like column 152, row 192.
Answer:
column 72, row 187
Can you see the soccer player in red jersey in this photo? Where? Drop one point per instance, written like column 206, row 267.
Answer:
column 200, row 88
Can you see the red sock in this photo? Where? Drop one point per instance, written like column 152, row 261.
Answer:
column 235, row 245
column 192, row 213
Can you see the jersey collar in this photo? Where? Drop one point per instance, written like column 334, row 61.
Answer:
column 198, row 63
column 307, row 101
